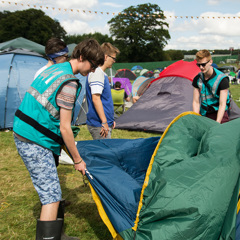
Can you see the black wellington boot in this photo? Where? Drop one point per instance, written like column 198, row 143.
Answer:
column 49, row 230
column 60, row 214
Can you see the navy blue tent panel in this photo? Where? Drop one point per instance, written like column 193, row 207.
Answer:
column 17, row 72
column 123, row 163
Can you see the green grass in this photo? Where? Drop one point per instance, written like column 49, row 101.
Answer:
column 19, row 203
column 235, row 92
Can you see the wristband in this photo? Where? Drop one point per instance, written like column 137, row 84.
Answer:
column 78, row 162
column 104, row 123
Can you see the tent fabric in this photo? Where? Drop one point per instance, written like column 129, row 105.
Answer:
column 148, row 74
column 143, row 71
column 20, row 51
column 164, row 100
column 143, row 86
column 71, row 47
column 138, row 81
column 21, row 42
column 81, row 107
column 137, row 72
column 125, row 161
column 125, row 83
column 181, row 68
column 17, row 71
column 125, row 73
column 191, row 184
column 136, row 67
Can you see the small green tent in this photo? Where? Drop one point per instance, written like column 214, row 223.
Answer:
column 24, row 43
column 71, row 47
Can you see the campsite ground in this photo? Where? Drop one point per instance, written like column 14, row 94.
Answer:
column 19, row 204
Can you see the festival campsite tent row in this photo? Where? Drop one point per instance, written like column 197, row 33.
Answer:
column 167, row 96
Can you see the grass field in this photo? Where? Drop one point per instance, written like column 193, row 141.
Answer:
column 19, row 203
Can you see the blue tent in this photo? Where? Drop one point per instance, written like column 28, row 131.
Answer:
column 214, row 65
column 136, row 67
column 17, row 70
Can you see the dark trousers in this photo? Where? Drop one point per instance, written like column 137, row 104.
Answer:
column 214, row 116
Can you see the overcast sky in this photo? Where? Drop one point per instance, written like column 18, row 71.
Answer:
column 193, row 24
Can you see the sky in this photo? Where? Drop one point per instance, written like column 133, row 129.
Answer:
column 193, row 24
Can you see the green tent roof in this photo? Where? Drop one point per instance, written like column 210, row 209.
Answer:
column 23, row 43
column 71, row 47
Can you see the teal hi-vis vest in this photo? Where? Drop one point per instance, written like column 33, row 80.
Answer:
column 208, row 93
column 38, row 117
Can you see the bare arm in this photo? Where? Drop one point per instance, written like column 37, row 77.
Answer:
column 196, row 103
column 97, row 102
column 68, row 138
column 222, row 104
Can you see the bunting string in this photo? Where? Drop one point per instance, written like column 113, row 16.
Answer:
column 71, row 10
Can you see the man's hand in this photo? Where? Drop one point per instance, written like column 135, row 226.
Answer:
column 80, row 167
column 104, row 130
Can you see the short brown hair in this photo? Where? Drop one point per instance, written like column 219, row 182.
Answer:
column 203, row 54
column 109, row 49
column 89, row 49
column 54, row 45
column 117, row 85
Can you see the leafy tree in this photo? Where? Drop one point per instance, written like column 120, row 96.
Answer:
column 175, row 54
column 78, row 38
column 31, row 24
column 140, row 33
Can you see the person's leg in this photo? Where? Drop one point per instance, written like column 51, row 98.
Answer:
column 49, row 212
column 213, row 116
column 225, row 117
column 41, row 166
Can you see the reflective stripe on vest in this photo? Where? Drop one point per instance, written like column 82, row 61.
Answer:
column 213, row 88
column 43, row 98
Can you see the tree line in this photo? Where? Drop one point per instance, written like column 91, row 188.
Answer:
column 140, row 33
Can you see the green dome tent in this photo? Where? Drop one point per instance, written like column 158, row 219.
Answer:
column 24, row 43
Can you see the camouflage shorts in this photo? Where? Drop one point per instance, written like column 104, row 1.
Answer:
column 41, row 165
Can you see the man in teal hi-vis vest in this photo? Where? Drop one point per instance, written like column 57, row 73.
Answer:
column 211, row 96
column 42, row 124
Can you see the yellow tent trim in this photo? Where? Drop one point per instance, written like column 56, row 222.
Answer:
column 145, row 184
column 103, row 214
column 238, row 204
